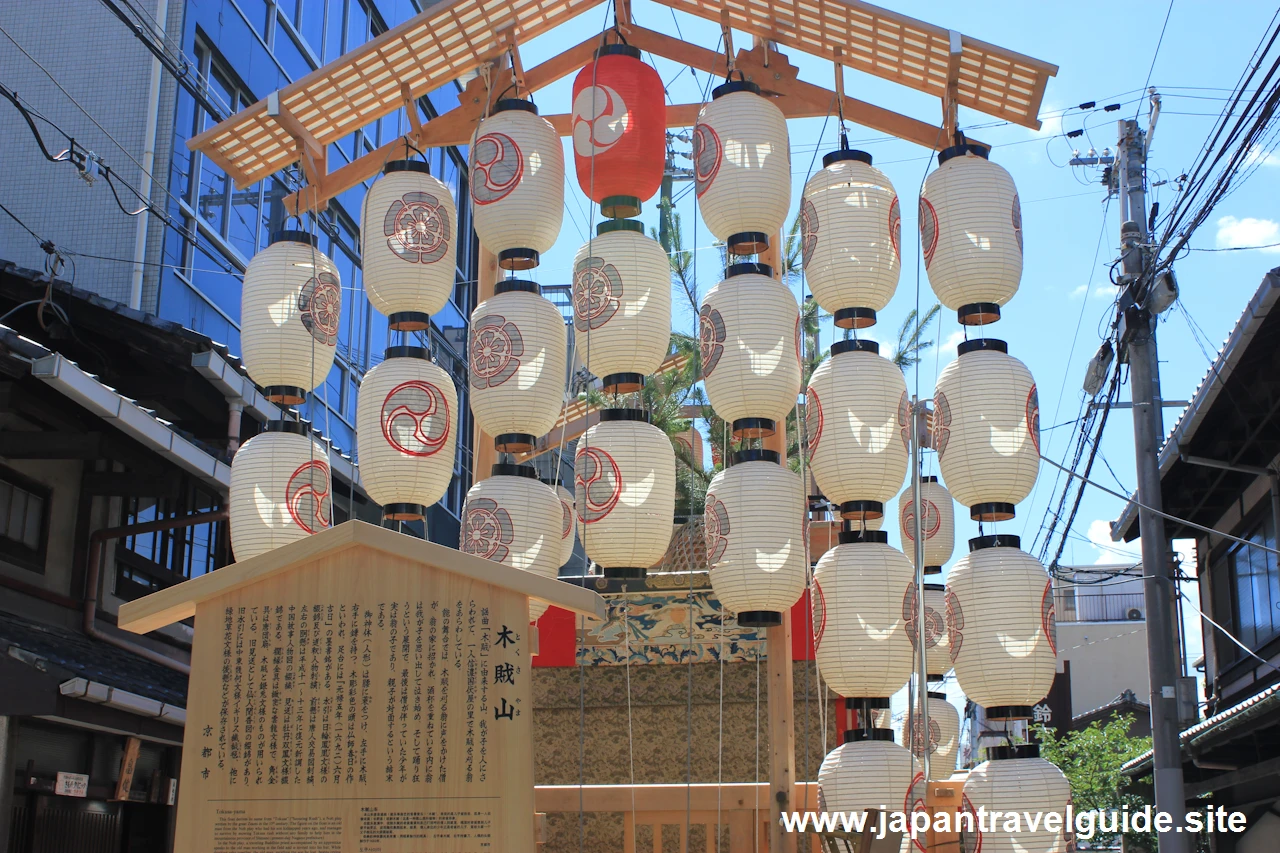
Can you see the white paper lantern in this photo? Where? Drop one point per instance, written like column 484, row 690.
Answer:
column 625, row 492
column 280, row 489
column 971, row 232
column 513, row 519
column 749, row 333
column 568, row 524
column 622, row 304
column 857, row 429
column 944, row 735
column 851, row 238
column 518, row 348
column 937, row 652
column 406, row 432
column 517, row 183
column 938, row 524
column 861, row 775
column 289, row 315
column 1001, row 627
column 861, row 590
column 408, row 244
column 986, row 429
column 742, row 167
column 754, row 528
column 1017, row 779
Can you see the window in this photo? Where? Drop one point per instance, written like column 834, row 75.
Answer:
column 146, row 562
column 23, row 520
column 1251, row 578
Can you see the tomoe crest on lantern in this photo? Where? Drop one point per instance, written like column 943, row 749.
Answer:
column 597, row 478
column 307, row 496
column 600, row 119
column 496, row 159
column 407, row 409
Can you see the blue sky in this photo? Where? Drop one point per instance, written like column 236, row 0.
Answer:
column 1055, row 321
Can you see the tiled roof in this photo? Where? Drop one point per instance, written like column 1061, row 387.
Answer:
column 93, row 660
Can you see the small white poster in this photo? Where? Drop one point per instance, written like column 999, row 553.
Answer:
column 72, row 785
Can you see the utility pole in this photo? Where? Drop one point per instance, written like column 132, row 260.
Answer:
column 1138, row 336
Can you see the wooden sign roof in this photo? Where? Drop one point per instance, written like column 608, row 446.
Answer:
column 451, row 37
column 179, row 602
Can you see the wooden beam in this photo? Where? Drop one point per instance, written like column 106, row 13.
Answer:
column 796, row 98
column 451, row 128
column 128, row 766
column 1261, row 770
column 950, row 98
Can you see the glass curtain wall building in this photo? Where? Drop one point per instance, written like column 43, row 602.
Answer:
column 244, row 50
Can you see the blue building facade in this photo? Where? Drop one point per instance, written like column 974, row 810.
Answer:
column 244, row 50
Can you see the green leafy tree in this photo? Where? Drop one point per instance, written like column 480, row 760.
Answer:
column 912, row 342
column 1091, row 759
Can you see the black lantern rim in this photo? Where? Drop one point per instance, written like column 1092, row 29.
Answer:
column 864, row 537
column 522, row 258
column 967, row 148
column 731, row 86
column 1007, row 752
column 747, row 243
column 295, row 235
column 932, row 478
column 755, row 454
column 842, row 347
column 622, row 383
column 978, row 313
column 982, row 345
column 996, row 540
column 854, row 318
column 409, row 321
column 618, row 49
column 513, row 469
column 407, row 352
column 290, row 427
column 935, row 587
column 420, row 166
column 517, row 285
column 514, row 104
column 289, row 395
column 753, row 428
column 626, row 573
column 843, row 154
column 861, row 510
column 620, row 415
column 937, row 694
column 759, row 619
column 515, row 442
column 992, row 511
column 748, row 268
column 620, row 206
column 404, row 512
column 613, row 225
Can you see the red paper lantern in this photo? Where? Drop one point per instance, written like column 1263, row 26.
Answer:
column 620, row 123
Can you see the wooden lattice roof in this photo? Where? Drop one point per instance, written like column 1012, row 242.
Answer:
column 435, row 47
column 916, row 54
column 453, row 37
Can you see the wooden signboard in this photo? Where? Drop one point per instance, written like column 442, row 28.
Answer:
column 358, row 692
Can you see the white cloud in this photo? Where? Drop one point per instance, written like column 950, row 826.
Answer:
column 953, row 340
column 1112, row 552
column 1236, row 233
column 1078, row 292
column 1104, row 291
column 1262, row 157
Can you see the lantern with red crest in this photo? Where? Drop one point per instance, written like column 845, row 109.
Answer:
column 619, row 130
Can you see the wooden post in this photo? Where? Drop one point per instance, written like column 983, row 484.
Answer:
column 782, row 733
